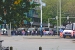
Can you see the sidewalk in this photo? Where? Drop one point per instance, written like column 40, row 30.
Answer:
column 43, row 37
column 30, row 37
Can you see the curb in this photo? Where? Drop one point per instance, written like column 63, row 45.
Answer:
column 43, row 37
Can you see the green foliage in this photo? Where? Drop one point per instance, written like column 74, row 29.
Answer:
column 52, row 6
column 50, row 11
column 13, row 10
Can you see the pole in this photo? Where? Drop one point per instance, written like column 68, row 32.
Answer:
column 9, row 32
column 48, row 22
column 57, row 24
column 60, row 12
column 57, row 7
column 10, row 28
column 41, row 17
column 31, row 24
column 57, row 17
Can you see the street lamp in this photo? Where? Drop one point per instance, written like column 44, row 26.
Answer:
column 31, row 24
column 60, row 12
column 54, row 19
column 68, row 21
column 57, row 23
column 41, row 17
column 41, row 4
column 49, row 22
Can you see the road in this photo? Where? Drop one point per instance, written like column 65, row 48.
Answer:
column 34, row 42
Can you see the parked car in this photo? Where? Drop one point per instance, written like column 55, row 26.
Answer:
column 4, row 31
column 30, row 30
column 19, row 31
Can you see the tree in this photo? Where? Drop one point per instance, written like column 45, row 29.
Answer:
column 50, row 11
column 14, row 10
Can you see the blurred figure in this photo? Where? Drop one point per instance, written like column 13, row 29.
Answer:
column 61, row 32
column 54, row 32
column 32, row 32
column 44, row 32
column 51, row 32
column 36, row 32
column 13, row 32
column 23, row 32
column 28, row 32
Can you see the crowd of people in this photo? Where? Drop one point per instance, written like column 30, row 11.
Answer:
column 30, row 32
column 33, row 32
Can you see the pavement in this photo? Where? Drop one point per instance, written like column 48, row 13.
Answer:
column 43, row 37
column 34, row 42
column 30, row 37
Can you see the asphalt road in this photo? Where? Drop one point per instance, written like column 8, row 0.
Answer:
column 34, row 42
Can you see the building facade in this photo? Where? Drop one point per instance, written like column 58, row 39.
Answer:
column 35, row 19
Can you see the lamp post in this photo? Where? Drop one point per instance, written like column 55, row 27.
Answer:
column 31, row 24
column 41, row 17
column 49, row 22
column 57, row 24
column 41, row 4
column 60, row 12
column 10, row 30
column 54, row 19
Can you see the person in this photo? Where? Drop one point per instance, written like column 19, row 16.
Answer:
column 51, row 32
column 28, row 32
column 23, row 32
column 14, row 32
column 54, row 32
column 32, row 32
column 44, row 32
column 61, row 32
column 36, row 32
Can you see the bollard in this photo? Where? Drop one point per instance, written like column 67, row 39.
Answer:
column 11, row 48
column 1, row 44
column 7, row 48
column 40, row 48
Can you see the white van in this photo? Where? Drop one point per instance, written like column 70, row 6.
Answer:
column 69, row 30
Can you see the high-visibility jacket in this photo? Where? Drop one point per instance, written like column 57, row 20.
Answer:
column 61, row 34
